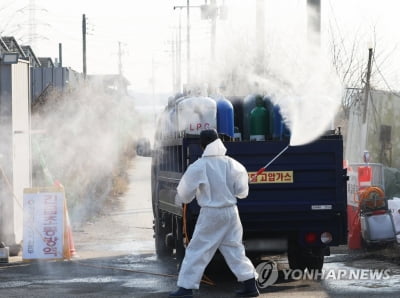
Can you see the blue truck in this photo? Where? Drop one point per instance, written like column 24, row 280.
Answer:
column 297, row 206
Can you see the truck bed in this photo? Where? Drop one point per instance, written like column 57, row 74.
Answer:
column 298, row 205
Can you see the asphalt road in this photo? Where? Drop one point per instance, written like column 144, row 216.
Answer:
column 115, row 258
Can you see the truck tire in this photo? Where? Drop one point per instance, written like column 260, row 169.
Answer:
column 160, row 233
column 302, row 258
column 15, row 249
column 314, row 262
column 154, row 193
column 296, row 259
column 295, row 254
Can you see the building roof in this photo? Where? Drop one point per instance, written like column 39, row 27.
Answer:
column 46, row 62
column 13, row 45
column 3, row 46
column 31, row 56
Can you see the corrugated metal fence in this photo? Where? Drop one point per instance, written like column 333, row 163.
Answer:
column 42, row 78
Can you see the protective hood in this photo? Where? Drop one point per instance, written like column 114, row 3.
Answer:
column 215, row 148
column 215, row 180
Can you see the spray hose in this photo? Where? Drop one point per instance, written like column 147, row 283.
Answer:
column 205, row 279
column 254, row 178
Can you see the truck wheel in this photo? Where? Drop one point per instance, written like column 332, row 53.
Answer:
column 314, row 262
column 295, row 254
column 296, row 259
column 15, row 249
column 302, row 258
column 160, row 233
column 154, row 193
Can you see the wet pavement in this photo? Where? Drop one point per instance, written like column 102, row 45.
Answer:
column 115, row 258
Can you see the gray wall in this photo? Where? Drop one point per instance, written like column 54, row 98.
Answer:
column 57, row 77
column 383, row 111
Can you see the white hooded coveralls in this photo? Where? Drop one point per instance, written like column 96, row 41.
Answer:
column 215, row 180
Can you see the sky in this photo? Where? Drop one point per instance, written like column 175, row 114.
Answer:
column 147, row 32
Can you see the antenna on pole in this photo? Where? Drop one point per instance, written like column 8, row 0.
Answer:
column 32, row 22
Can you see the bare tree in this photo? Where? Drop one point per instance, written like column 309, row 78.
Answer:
column 350, row 62
column 348, row 65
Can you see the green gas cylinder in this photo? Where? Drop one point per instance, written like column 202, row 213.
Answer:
column 259, row 121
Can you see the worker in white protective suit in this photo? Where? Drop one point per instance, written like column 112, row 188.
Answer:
column 216, row 180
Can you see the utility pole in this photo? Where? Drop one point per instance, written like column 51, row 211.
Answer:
column 188, row 41
column 119, row 68
column 60, row 54
column 260, row 34
column 314, row 21
column 60, row 64
column 119, row 59
column 173, row 56
column 84, row 45
column 214, row 10
column 179, row 53
column 153, row 84
column 367, row 85
column 178, row 58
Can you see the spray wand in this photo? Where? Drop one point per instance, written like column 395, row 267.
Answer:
column 254, row 178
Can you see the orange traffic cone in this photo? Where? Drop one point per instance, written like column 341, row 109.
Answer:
column 69, row 246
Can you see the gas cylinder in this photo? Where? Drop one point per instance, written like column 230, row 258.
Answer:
column 195, row 114
column 225, row 117
column 249, row 102
column 237, row 103
column 279, row 129
column 270, row 109
column 259, row 120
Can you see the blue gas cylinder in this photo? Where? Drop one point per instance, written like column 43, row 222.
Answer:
column 280, row 130
column 270, row 109
column 225, row 117
column 237, row 102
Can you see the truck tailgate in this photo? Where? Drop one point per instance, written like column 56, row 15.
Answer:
column 315, row 177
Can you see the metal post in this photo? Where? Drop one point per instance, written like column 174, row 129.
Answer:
column 188, row 41
column 173, row 64
column 119, row 60
column 314, row 21
column 213, row 29
column 119, row 68
column 84, row 44
column 179, row 52
column 367, row 86
column 153, row 88
column 260, row 34
column 60, row 54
